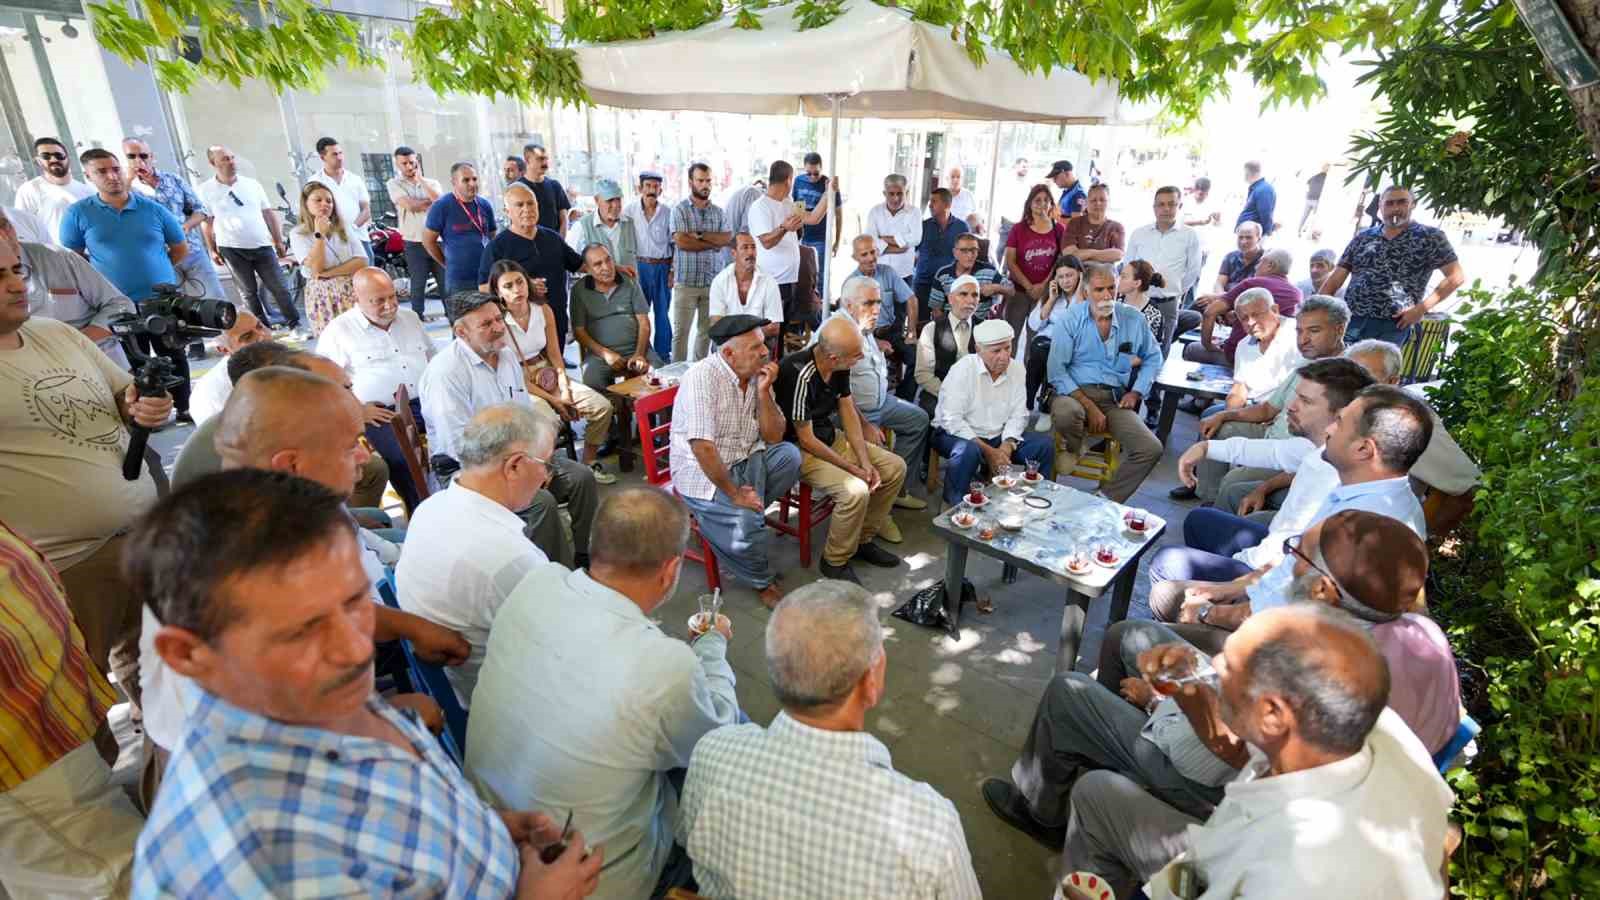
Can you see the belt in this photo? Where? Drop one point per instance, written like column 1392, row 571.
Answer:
column 655, row 259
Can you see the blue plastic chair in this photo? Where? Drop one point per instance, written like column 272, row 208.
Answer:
column 431, row 680
column 1465, row 732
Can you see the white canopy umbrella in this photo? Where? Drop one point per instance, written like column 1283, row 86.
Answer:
column 870, row 62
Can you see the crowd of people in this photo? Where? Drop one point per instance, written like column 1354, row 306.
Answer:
column 1282, row 683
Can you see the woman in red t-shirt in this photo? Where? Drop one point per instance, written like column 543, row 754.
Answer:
column 1032, row 246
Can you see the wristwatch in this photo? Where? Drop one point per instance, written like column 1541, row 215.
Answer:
column 1205, row 610
column 317, row 235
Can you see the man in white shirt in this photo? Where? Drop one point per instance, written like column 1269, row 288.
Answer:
column 962, row 204
column 29, row 227
column 811, row 806
column 1302, row 697
column 48, row 195
column 982, row 417
column 211, row 390
column 243, row 233
column 1266, row 356
column 1174, row 250
column 465, row 550
column 413, row 195
column 381, row 347
column 896, row 228
column 479, row 369
column 350, row 197
column 775, row 221
column 62, row 285
column 584, row 704
column 742, row 289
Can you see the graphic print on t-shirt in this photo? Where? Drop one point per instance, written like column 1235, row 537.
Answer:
column 74, row 409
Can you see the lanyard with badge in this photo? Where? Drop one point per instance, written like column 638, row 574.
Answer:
column 477, row 221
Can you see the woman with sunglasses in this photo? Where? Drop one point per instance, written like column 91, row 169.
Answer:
column 329, row 254
column 531, row 328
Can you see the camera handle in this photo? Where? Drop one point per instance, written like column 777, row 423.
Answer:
column 155, row 378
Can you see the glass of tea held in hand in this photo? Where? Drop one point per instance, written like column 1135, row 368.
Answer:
column 1190, row 669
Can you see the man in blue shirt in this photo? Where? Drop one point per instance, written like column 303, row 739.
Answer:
column 133, row 241
column 1259, row 201
column 937, row 248
column 809, row 188
column 464, row 222
column 1073, row 196
column 1093, row 352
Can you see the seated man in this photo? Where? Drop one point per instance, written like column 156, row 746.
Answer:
column 611, row 322
column 381, row 347
column 1372, row 445
column 862, row 478
column 293, row 777
column 897, row 317
column 945, row 340
column 993, row 287
column 1319, row 334
column 742, row 289
column 65, row 287
column 1267, row 355
column 729, row 460
column 1320, row 266
column 1271, row 275
column 67, row 828
column 1091, row 364
column 1307, row 687
column 860, row 305
column 210, row 391
column 584, row 704
column 813, row 796
column 982, row 418
column 465, row 550
column 480, row 369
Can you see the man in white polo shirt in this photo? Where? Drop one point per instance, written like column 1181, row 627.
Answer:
column 350, row 197
column 465, row 549
column 243, row 232
column 381, row 347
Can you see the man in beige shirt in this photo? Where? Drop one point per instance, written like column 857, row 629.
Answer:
column 412, row 195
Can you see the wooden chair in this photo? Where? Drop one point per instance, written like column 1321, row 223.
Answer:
column 1096, row 463
column 811, row 513
column 655, row 446
column 431, row 680
column 413, row 446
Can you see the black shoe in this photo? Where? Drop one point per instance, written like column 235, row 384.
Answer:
column 872, row 553
column 1007, row 803
column 183, row 418
column 196, row 351
column 1152, row 421
column 843, row 573
column 1182, row 492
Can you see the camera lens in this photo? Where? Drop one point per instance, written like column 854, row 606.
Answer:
column 219, row 314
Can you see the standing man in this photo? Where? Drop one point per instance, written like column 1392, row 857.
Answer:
column 610, row 322
column 1388, row 267
column 699, row 233
column 48, row 195
column 350, row 197
column 652, row 225
column 512, row 170
column 982, row 416
column 935, row 250
column 174, row 193
column 860, row 477
column 539, row 250
column 552, row 197
column 775, row 223
column 962, row 205
column 1175, row 252
column 464, row 223
column 896, row 229
column 736, row 207
column 1073, row 198
column 63, row 285
column 729, row 459
column 609, row 228
column 135, row 242
column 1260, row 200
column 243, row 232
column 1314, row 186
column 1092, row 237
column 1089, row 368
column 413, row 195
column 809, row 188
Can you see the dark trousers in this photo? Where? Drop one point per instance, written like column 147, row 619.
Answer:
column 924, row 292
column 419, row 265
column 1219, row 532
column 382, row 439
column 903, row 357
column 255, row 268
column 180, row 368
column 966, row 458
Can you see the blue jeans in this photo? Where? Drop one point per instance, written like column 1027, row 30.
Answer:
column 966, row 459
column 910, row 426
column 1185, row 564
column 739, row 535
column 1380, row 327
column 1221, row 533
column 653, row 281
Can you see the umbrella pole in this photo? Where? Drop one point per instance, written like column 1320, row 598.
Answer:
column 994, row 179
column 833, row 214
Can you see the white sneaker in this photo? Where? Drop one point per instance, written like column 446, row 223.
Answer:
column 906, row 501
column 601, row 476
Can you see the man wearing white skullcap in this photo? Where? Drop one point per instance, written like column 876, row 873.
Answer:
column 946, row 339
column 982, row 417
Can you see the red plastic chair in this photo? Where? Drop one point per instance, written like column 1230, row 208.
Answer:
column 655, row 446
column 812, row 512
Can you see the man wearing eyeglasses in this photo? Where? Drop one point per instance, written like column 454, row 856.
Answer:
column 50, row 193
column 64, row 286
column 243, row 233
column 169, row 189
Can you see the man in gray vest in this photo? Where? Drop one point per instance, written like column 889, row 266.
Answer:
column 945, row 340
column 608, row 227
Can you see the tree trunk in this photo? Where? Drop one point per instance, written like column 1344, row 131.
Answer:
column 1585, row 18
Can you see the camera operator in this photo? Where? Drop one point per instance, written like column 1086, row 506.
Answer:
column 135, row 242
column 65, row 408
column 65, row 287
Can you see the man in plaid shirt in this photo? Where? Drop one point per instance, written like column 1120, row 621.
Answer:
column 292, row 777
column 729, row 459
column 699, row 234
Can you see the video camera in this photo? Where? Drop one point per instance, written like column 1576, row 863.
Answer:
column 172, row 319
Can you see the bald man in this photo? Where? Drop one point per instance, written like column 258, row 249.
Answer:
column 382, row 347
column 242, row 232
column 211, row 390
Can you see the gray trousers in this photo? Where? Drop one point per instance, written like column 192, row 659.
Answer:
column 571, row 483
column 737, row 535
column 909, row 423
column 1122, row 833
column 1209, row 473
column 419, row 265
column 257, row 268
column 1124, row 641
column 690, row 305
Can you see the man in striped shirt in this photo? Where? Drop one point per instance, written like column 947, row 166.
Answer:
column 65, row 829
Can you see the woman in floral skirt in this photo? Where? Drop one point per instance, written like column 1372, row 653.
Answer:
column 328, row 255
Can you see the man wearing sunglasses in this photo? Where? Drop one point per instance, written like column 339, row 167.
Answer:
column 243, row 233
column 48, row 195
column 195, row 271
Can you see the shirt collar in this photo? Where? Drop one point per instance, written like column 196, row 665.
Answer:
column 606, row 599
column 1267, row 793
column 1346, row 492
column 850, row 745
column 236, row 725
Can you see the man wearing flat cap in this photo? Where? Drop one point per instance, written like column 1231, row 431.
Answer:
column 982, row 418
column 652, row 224
column 608, row 227
column 729, row 459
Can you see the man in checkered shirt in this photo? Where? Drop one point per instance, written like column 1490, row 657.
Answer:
column 293, row 778
column 811, row 806
column 729, row 459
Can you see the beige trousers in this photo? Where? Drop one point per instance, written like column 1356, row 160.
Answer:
column 68, row 832
column 591, row 405
column 106, row 614
column 1140, row 449
column 858, row 514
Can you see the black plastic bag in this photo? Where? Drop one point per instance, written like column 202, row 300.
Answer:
column 926, row 607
